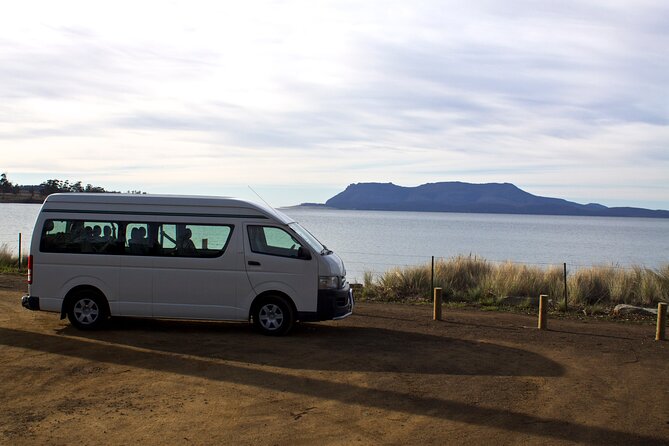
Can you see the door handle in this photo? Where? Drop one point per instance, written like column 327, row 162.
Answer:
column 253, row 263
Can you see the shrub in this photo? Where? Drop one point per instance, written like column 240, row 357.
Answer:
column 6, row 257
column 461, row 277
column 591, row 286
column 8, row 261
column 471, row 278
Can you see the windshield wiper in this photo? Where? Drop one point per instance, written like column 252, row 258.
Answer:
column 325, row 251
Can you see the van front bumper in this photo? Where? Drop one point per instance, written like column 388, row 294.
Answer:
column 332, row 305
column 30, row 302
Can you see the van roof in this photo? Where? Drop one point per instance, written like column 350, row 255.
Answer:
column 191, row 201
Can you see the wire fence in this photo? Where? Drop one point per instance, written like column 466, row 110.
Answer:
column 474, row 278
column 468, row 275
column 366, row 264
column 382, row 263
column 377, row 263
column 14, row 242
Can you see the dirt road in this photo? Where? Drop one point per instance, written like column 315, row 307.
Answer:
column 387, row 375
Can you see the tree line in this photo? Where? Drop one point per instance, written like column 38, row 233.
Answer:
column 53, row 186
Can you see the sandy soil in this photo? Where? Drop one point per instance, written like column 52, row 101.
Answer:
column 387, row 375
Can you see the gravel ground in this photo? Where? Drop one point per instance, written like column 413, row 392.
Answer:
column 387, row 375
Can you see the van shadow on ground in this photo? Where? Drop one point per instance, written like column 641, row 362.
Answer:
column 327, row 348
column 347, row 393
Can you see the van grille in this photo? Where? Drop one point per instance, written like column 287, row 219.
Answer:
column 342, row 301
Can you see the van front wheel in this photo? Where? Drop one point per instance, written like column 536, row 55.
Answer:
column 273, row 316
column 87, row 311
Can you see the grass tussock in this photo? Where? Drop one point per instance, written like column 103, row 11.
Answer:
column 473, row 279
column 636, row 286
column 9, row 262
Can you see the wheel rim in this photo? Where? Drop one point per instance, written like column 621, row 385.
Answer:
column 86, row 311
column 270, row 317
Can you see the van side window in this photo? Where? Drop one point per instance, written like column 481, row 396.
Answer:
column 188, row 240
column 78, row 236
column 135, row 238
column 273, row 241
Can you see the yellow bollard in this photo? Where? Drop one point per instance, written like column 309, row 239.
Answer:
column 437, row 304
column 661, row 321
column 543, row 306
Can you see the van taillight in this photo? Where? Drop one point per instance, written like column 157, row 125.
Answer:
column 30, row 269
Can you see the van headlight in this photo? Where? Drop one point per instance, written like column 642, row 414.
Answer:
column 328, row 282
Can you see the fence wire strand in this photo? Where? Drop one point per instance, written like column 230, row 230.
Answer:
column 9, row 241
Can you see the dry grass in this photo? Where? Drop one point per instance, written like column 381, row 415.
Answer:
column 9, row 262
column 5, row 255
column 462, row 278
column 469, row 278
column 509, row 279
column 637, row 286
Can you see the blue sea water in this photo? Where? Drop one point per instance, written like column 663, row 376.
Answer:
column 14, row 219
column 377, row 240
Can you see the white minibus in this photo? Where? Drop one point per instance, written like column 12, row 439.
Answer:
column 93, row 256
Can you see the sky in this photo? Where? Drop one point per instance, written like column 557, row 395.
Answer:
column 298, row 99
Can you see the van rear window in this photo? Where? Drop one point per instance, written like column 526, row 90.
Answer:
column 135, row 238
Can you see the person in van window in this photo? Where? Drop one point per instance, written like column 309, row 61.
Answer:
column 107, row 234
column 85, row 240
column 97, row 234
column 108, row 241
column 186, row 246
column 142, row 236
column 48, row 226
column 135, row 242
column 48, row 240
column 77, row 232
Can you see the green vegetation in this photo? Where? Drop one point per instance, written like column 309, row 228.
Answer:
column 9, row 263
column 6, row 186
column 10, row 192
column 468, row 279
column 473, row 279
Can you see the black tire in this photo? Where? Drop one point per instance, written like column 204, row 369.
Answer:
column 273, row 316
column 87, row 310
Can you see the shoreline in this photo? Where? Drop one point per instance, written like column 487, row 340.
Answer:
column 23, row 196
column 315, row 206
column 16, row 281
column 22, row 201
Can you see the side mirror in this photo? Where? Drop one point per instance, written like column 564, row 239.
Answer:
column 303, row 253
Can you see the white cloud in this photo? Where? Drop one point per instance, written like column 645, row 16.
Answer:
column 568, row 98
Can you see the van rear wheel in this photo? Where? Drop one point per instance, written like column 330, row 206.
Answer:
column 273, row 316
column 87, row 310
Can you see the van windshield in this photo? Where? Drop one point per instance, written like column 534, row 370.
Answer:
column 307, row 237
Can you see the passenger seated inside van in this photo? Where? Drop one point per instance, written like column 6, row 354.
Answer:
column 106, row 243
column 183, row 246
column 97, row 234
column 48, row 240
column 80, row 238
column 136, row 243
column 77, row 232
column 142, row 236
column 186, row 247
column 108, row 237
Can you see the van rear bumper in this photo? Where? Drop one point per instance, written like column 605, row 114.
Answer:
column 332, row 305
column 30, row 302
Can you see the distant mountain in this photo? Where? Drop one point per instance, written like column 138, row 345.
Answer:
column 494, row 198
